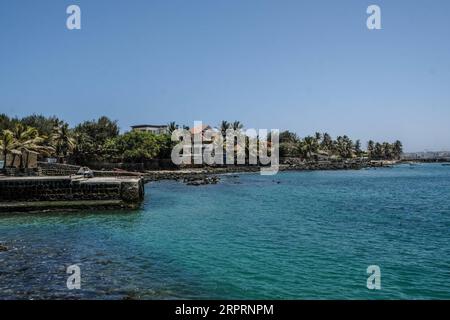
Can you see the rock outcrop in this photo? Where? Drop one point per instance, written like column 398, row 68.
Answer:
column 201, row 180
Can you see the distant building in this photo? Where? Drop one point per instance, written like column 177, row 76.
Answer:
column 201, row 129
column 29, row 160
column 427, row 156
column 156, row 129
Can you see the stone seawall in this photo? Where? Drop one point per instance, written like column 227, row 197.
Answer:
column 24, row 194
column 57, row 169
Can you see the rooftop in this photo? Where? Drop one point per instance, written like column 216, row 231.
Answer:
column 199, row 129
column 150, row 126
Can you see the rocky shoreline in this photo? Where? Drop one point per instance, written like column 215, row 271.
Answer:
column 211, row 175
column 102, row 185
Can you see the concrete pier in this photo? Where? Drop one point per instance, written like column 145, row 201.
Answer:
column 70, row 192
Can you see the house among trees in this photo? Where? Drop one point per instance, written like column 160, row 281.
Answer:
column 25, row 141
column 197, row 155
column 20, row 159
column 201, row 129
column 156, row 129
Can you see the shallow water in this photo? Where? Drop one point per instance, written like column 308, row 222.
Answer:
column 296, row 235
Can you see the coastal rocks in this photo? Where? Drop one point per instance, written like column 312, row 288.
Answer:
column 197, row 176
column 382, row 163
column 200, row 181
column 301, row 165
column 195, row 173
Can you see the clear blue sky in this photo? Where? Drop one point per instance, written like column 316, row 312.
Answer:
column 305, row 66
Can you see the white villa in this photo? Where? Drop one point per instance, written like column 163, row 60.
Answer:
column 156, row 129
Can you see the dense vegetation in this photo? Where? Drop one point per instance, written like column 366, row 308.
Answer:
column 341, row 147
column 100, row 140
column 90, row 141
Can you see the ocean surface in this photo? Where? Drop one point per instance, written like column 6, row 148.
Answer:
column 296, row 235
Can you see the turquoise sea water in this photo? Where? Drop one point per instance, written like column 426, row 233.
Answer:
column 297, row 235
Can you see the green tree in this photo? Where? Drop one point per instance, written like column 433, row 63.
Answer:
column 387, row 151
column 28, row 140
column 344, row 146
column 23, row 135
column 237, row 125
column 224, row 126
column 308, row 147
column 171, row 127
column 165, row 146
column 327, row 143
column 318, row 137
column 91, row 137
column 397, row 149
column 288, row 137
column 371, row 149
column 289, row 144
column 358, row 149
column 100, row 130
column 135, row 146
column 378, row 152
column 44, row 125
column 63, row 140
column 7, row 145
column 288, row 149
column 5, row 122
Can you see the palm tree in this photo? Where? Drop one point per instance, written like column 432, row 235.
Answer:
column 7, row 145
column 349, row 150
column 24, row 137
column 27, row 140
column 378, row 151
column 387, row 151
column 171, row 127
column 224, row 126
column 287, row 137
column 308, row 147
column 358, row 150
column 370, row 148
column 344, row 147
column 327, row 143
column 36, row 145
column 318, row 136
column 339, row 146
column 62, row 140
column 397, row 149
column 237, row 126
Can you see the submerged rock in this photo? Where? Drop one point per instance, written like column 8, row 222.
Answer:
column 3, row 248
column 200, row 181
